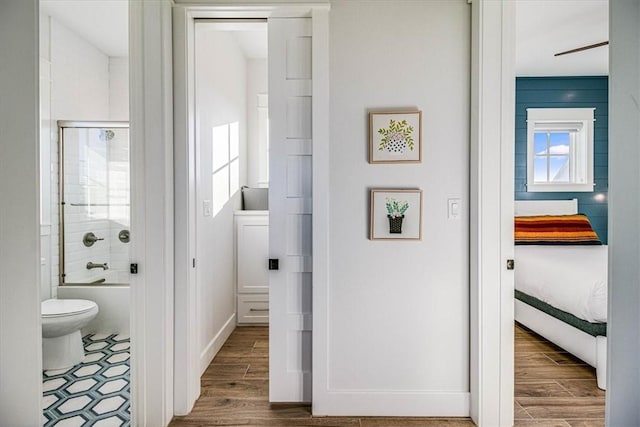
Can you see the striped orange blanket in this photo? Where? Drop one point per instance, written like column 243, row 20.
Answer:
column 555, row 230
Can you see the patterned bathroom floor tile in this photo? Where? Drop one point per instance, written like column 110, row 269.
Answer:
column 95, row 392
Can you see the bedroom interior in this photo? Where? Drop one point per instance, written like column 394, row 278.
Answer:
column 561, row 233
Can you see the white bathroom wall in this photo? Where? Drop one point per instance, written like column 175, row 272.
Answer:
column 119, row 88
column 256, row 85
column 47, row 129
column 220, row 99
column 398, row 312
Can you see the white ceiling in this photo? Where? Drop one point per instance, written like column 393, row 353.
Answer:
column 546, row 27
column 103, row 23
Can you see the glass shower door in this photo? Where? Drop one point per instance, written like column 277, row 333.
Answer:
column 95, row 198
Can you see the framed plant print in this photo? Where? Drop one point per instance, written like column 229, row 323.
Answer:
column 395, row 137
column 396, row 214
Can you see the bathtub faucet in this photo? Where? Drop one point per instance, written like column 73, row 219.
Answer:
column 91, row 265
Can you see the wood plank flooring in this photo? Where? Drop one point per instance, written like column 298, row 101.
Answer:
column 235, row 391
column 553, row 388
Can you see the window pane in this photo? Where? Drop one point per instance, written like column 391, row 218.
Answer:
column 540, row 143
column 540, row 169
column 220, row 146
column 559, row 169
column 220, row 189
column 559, row 143
column 234, row 172
column 234, row 140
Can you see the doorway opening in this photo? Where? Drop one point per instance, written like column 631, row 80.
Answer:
column 232, row 218
column 561, row 169
column 85, row 212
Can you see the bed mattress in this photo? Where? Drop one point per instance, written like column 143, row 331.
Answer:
column 570, row 278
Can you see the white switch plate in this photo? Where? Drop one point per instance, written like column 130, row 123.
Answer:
column 206, row 207
column 454, row 208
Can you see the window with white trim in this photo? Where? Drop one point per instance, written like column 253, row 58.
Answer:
column 226, row 164
column 560, row 149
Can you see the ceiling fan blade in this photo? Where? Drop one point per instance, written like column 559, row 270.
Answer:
column 580, row 49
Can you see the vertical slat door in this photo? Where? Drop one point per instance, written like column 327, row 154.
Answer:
column 290, row 209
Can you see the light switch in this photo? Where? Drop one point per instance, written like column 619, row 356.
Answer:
column 454, row 208
column 206, row 207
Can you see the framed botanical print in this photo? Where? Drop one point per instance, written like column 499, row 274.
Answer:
column 396, row 214
column 395, row 137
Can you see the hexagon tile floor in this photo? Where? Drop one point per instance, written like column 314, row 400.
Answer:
column 95, row 392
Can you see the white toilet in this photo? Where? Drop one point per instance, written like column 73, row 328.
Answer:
column 62, row 320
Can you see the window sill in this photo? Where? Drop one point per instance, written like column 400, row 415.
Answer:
column 556, row 188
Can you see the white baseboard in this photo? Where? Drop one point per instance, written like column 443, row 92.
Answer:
column 394, row 404
column 216, row 343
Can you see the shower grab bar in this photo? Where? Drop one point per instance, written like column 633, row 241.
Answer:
column 99, row 204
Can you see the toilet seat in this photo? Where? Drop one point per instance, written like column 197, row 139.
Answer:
column 65, row 307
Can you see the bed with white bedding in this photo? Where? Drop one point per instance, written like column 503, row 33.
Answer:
column 561, row 291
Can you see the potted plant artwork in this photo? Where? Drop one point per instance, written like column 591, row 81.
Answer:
column 395, row 137
column 395, row 213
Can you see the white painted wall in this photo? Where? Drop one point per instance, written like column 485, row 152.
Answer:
column 623, row 382
column 256, row 84
column 20, row 326
column 119, row 88
column 398, row 312
column 220, row 99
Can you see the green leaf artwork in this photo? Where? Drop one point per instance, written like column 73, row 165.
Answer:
column 397, row 137
column 396, row 208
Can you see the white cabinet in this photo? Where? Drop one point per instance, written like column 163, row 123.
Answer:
column 252, row 272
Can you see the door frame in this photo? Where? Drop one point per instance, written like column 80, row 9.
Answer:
column 151, row 136
column 491, row 213
column 186, row 357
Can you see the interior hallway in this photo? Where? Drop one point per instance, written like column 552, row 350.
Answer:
column 552, row 389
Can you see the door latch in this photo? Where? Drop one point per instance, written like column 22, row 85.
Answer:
column 511, row 264
column 274, row 264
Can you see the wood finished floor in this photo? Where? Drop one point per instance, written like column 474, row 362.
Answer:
column 552, row 389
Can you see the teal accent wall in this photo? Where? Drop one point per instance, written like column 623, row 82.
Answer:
column 567, row 92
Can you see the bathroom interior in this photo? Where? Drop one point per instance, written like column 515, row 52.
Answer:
column 85, row 200
column 85, row 212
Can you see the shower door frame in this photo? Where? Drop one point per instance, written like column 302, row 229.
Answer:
column 75, row 124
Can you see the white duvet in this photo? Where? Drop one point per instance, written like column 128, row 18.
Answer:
column 571, row 278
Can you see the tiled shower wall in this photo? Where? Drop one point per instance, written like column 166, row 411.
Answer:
column 85, row 84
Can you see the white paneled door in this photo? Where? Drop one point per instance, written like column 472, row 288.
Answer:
column 290, row 209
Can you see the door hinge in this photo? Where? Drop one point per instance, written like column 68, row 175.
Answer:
column 133, row 268
column 193, row 262
column 274, row 264
column 511, row 264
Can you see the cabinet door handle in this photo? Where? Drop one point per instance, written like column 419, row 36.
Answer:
column 258, row 309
